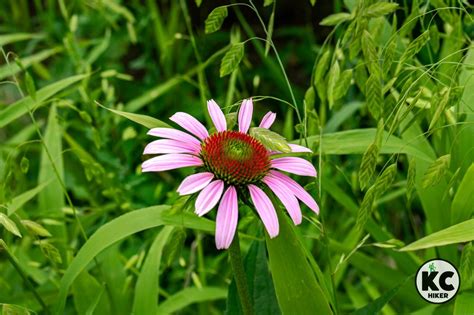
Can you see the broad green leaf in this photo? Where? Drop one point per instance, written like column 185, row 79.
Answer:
column 356, row 142
column 51, row 198
column 13, row 68
column 296, row 287
column 336, row 18
column 464, row 303
column 23, row 198
column 144, row 120
column 146, row 289
column 379, row 9
column 189, row 296
column 231, row 59
column 86, row 291
column 215, row 19
column 119, row 228
column 260, row 284
column 19, row 108
column 462, row 207
column 271, row 140
column 459, row 233
column 9, row 225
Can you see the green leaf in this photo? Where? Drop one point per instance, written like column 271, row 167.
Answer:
column 343, row 84
column 296, row 287
column 24, row 165
column 30, row 86
column 20, row 107
column 17, row 37
column 215, row 19
column 146, row 289
column 367, row 166
column 373, row 95
column 464, row 303
column 18, row 201
column 87, row 291
column 379, row 9
column 322, row 66
column 336, row 18
column 144, row 120
column 376, row 306
column 189, row 296
column 436, row 171
column 9, row 225
column 232, row 59
column 356, row 141
column 459, row 233
column 334, row 74
column 13, row 68
column 271, row 140
column 462, row 206
column 118, row 229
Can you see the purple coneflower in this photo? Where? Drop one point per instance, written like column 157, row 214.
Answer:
column 230, row 163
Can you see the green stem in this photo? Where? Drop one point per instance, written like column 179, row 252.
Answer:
column 240, row 276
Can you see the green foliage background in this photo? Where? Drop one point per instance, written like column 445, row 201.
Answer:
column 383, row 92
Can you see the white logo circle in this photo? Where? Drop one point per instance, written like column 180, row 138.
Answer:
column 437, row 281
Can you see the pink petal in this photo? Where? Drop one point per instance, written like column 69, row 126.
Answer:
column 170, row 162
column 191, row 124
column 296, row 189
column 209, row 197
column 174, row 134
column 245, row 115
column 265, row 210
column 226, row 220
column 194, row 183
column 286, row 197
column 294, row 165
column 267, row 120
column 170, row 146
column 217, row 116
column 299, row 148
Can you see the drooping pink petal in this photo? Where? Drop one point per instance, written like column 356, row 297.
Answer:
column 209, row 197
column 267, row 120
column 296, row 189
column 286, row 197
column 299, row 148
column 265, row 210
column 169, row 162
column 245, row 115
column 194, row 183
column 163, row 146
column 217, row 116
column 294, row 165
column 226, row 220
column 191, row 124
column 170, row 133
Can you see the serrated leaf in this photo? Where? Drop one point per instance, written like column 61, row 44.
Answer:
column 343, row 84
column 436, row 171
column 336, row 18
column 370, row 53
column 367, row 166
column 9, row 225
column 36, row 228
column 231, row 59
column 271, row 140
column 379, row 9
column 215, row 19
column 334, row 74
column 373, row 94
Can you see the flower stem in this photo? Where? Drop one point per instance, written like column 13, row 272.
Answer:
column 240, row 276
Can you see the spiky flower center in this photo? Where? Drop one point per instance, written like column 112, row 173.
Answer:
column 235, row 157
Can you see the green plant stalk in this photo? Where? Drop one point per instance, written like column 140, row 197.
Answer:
column 240, row 276
column 25, row 278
